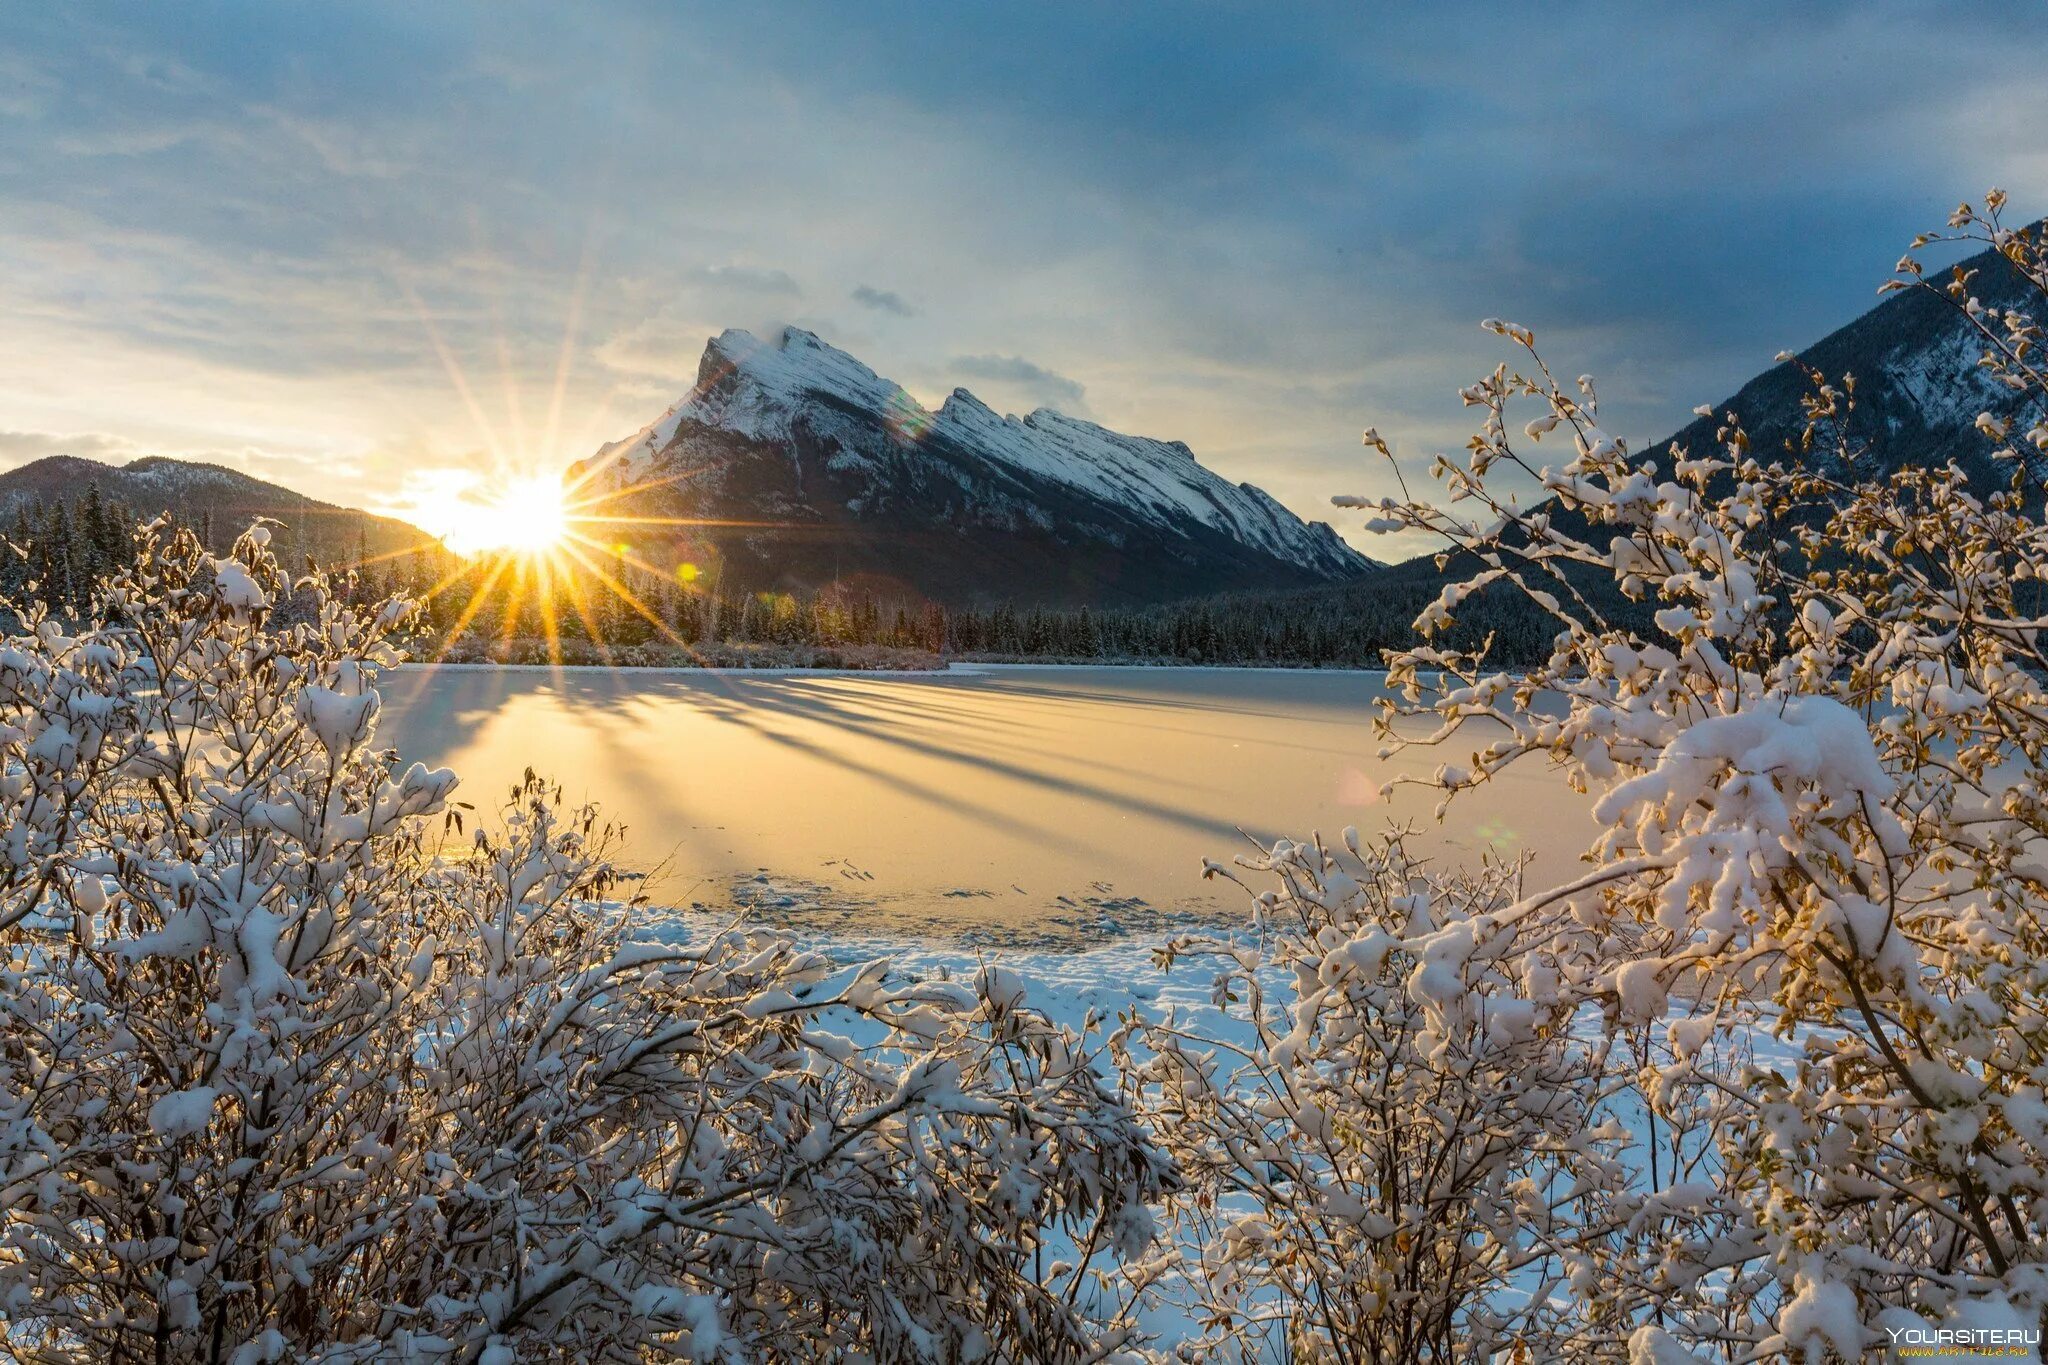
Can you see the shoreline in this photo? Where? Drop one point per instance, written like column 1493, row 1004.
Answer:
column 955, row 668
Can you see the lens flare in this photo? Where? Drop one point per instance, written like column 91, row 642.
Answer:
column 526, row 515
column 906, row 419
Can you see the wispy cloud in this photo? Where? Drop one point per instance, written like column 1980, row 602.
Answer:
column 20, row 447
column 1021, row 376
column 882, row 301
column 665, row 342
column 747, row 279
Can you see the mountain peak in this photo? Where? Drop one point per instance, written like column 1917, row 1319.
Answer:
column 792, row 347
column 959, row 501
column 740, row 371
column 961, row 403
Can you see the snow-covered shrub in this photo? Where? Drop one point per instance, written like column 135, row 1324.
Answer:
column 1821, row 790
column 299, row 1062
column 1396, row 1155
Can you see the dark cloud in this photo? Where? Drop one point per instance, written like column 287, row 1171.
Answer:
column 883, row 301
column 1043, row 385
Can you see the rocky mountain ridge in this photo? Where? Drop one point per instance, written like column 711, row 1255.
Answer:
column 792, row 464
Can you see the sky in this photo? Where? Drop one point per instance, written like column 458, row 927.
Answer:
column 379, row 252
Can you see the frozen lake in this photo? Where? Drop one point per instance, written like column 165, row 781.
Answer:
column 1018, row 803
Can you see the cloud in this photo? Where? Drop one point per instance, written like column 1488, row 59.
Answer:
column 21, row 447
column 139, row 140
column 25, row 89
column 745, row 279
column 467, row 229
column 289, row 466
column 665, row 344
column 883, row 301
column 1020, row 375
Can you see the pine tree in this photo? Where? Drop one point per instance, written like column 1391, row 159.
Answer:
column 58, row 576
column 16, row 562
column 92, row 557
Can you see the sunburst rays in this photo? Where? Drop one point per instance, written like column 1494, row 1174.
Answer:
column 537, row 548
column 554, row 562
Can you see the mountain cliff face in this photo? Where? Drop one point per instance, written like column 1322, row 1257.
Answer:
column 208, row 496
column 791, row 464
column 1918, row 385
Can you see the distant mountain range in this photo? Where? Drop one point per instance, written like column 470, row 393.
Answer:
column 790, row 464
column 222, row 502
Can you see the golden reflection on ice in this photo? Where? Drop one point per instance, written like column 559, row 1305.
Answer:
column 1001, row 796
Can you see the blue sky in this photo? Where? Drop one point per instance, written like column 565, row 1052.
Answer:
column 373, row 250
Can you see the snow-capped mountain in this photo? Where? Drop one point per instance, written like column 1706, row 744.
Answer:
column 1919, row 387
column 805, row 467
column 1919, row 390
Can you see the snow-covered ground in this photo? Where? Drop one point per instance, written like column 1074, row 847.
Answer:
column 1071, row 984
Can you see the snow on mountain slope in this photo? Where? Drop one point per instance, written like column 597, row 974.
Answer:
column 757, row 390
column 1158, row 479
column 1919, row 387
column 846, row 433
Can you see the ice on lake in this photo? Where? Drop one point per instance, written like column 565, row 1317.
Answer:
column 1006, row 802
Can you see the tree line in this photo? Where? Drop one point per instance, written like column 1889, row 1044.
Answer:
column 68, row 545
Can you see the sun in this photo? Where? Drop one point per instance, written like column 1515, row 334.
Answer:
column 525, row 514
